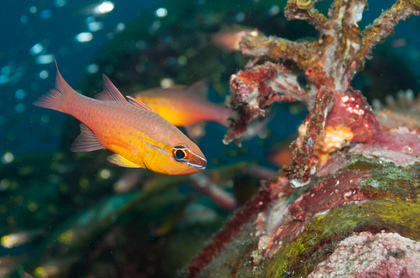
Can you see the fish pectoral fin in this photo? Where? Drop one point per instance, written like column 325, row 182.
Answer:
column 86, row 141
column 123, row 162
column 110, row 92
column 139, row 104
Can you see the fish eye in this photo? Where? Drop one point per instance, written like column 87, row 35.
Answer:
column 180, row 153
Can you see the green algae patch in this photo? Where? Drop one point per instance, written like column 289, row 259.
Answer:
column 320, row 236
column 387, row 180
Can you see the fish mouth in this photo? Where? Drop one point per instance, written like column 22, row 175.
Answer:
column 196, row 164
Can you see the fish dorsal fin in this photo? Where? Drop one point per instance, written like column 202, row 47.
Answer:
column 139, row 104
column 121, row 161
column 200, row 88
column 86, row 141
column 178, row 87
column 110, row 92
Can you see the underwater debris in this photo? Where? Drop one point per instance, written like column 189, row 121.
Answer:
column 328, row 64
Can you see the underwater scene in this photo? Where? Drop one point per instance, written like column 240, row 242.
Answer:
column 207, row 138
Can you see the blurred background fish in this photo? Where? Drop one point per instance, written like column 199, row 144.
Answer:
column 185, row 106
column 230, row 36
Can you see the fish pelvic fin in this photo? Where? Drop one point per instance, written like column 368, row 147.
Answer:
column 110, row 92
column 86, row 141
column 56, row 98
column 121, row 161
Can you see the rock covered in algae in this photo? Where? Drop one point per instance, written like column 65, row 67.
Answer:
column 383, row 255
column 361, row 206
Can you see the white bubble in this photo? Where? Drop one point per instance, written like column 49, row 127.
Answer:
column 161, row 12
column 36, row 49
column 7, row 158
column 84, row 37
column 33, row 10
column 105, row 174
column 45, row 59
column 43, row 74
column 95, row 26
column 166, row 82
column 92, row 68
column 104, row 7
column 20, row 94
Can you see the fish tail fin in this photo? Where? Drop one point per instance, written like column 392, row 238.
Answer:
column 225, row 115
column 57, row 98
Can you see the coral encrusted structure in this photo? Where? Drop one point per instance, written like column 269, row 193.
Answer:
column 328, row 64
column 334, row 211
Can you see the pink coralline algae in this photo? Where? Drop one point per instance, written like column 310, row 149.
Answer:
column 328, row 65
column 368, row 255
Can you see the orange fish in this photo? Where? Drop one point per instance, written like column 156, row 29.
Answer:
column 229, row 37
column 138, row 136
column 182, row 105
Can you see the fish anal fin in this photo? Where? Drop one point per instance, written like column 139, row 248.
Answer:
column 200, row 88
column 110, row 92
column 86, row 141
column 121, row 161
column 139, row 104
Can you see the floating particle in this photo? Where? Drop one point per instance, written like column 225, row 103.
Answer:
column 45, row 119
column 20, row 94
column 4, row 79
column 45, row 14
column 166, row 83
column 105, row 174
column 33, row 10
column 60, row 3
column 120, row 27
column 20, row 107
column 43, row 74
column 274, row 10
column 23, row 19
column 92, row 68
column 95, row 26
column 161, row 12
column 182, row 60
column 44, row 59
column 7, row 158
column 240, row 17
column 36, row 49
column 154, row 27
column 84, row 37
column 6, row 70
